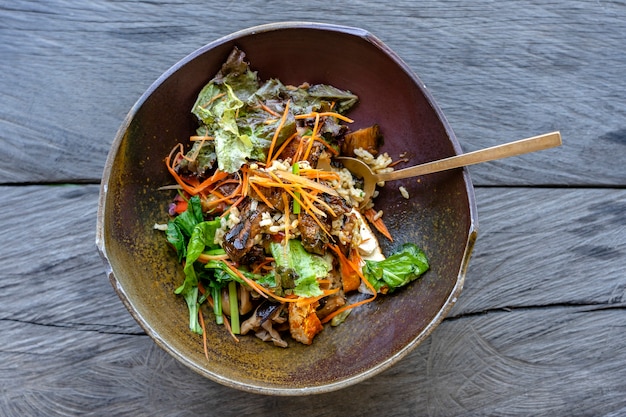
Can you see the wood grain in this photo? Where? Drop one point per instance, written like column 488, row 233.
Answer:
column 542, row 247
column 539, row 327
column 501, row 72
column 501, row 364
column 521, row 340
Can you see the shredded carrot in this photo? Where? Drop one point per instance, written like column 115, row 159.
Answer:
column 264, row 292
column 325, row 114
column 215, row 97
column 315, row 219
column 316, row 128
column 204, row 343
column 204, row 258
column 370, row 215
column 306, row 201
column 197, row 138
column 191, row 189
column 196, row 152
column 261, row 196
column 302, row 199
column 319, row 174
column 258, row 288
column 185, row 186
column 311, row 300
column 219, row 197
column 327, row 145
column 397, row 161
column 245, row 181
column 305, row 197
column 230, row 330
column 217, row 175
column 270, row 111
column 286, row 216
column 353, row 265
column 298, row 155
column 305, row 182
column 283, row 146
column 262, row 265
column 244, row 193
column 232, row 206
column 277, row 132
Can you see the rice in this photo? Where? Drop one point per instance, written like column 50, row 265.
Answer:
column 160, row 226
column 276, row 228
column 378, row 164
column 278, row 166
column 346, row 187
column 221, row 231
column 266, row 220
column 273, row 224
column 254, row 203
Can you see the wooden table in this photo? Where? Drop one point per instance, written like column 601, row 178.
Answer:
column 540, row 328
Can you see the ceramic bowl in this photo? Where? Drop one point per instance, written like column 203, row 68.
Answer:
column 439, row 216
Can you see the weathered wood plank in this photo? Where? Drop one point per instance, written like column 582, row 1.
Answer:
column 538, row 329
column 72, row 70
column 51, row 271
column 541, row 247
column 517, row 343
column 545, row 361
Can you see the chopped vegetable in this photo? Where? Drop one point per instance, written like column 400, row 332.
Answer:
column 270, row 242
column 307, row 267
column 404, row 266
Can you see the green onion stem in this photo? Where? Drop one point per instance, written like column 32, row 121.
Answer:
column 234, row 307
column 217, row 305
column 295, row 169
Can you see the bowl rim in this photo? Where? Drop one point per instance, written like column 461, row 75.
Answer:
column 101, row 243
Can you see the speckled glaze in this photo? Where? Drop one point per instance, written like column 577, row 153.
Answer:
column 440, row 215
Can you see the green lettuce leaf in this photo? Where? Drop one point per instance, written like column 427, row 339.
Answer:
column 402, row 267
column 230, row 108
column 307, row 266
column 201, row 157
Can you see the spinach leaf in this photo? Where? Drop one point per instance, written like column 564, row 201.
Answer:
column 176, row 238
column 202, row 236
column 402, row 267
column 188, row 219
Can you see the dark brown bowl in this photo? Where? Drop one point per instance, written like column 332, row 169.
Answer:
column 440, row 215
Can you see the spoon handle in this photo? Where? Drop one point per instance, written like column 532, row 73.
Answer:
column 519, row 147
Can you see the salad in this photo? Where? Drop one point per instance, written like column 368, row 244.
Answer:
column 265, row 223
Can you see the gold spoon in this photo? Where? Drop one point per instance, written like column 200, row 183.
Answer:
column 370, row 179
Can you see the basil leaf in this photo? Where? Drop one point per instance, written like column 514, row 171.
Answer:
column 402, row 267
